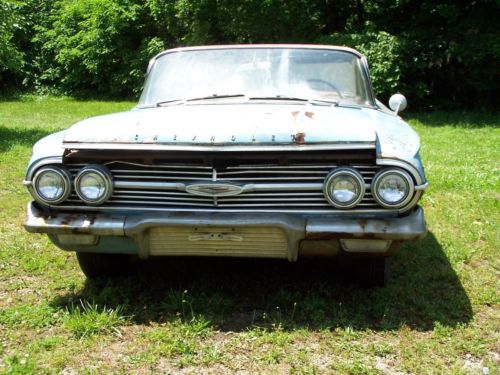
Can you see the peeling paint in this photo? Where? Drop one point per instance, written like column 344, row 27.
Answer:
column 300, row 138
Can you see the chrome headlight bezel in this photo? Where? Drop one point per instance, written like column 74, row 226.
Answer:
column 338, row 172
column 66, row 183
column 384, row 173
column 106, row 177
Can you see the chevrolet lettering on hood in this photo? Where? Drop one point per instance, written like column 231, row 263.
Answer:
column 272, row 151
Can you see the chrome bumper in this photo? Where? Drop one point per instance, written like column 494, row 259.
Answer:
column 295, row 228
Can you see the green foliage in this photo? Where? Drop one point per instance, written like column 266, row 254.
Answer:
column 383, row 52
column 95, row 45
column 438, row 53
column 10, row 57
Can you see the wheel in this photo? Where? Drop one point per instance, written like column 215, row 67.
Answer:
column 95, row 265
column 374, row 272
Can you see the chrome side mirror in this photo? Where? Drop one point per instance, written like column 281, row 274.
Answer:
column 397, row 103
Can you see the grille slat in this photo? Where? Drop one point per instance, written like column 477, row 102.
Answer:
column 284, row 187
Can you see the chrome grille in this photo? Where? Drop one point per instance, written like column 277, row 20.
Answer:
column 281, row 188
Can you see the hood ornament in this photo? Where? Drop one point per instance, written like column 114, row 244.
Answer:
column 214, row 189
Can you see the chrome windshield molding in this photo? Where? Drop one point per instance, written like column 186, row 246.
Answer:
column 254, row 46
column 215, row 148
column 366, row 71
column 422, row 187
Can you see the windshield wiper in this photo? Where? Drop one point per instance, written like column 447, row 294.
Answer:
column 170, row 101
column 208, row 97
column 314, row 101
column 216, row 96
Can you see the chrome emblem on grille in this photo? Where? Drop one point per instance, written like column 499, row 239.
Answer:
column 214, row 190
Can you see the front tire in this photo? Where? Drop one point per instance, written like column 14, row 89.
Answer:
column 95, row 265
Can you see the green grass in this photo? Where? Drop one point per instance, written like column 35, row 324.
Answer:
column 440, row 313
column 88, row 319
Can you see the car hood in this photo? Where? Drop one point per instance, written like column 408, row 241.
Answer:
column 241, row 126
column 225, row 125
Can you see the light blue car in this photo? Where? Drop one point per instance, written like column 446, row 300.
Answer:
column 274, row 151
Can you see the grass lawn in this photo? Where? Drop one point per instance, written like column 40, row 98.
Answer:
column 439, row 314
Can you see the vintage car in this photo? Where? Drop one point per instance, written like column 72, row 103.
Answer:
column 276, row 151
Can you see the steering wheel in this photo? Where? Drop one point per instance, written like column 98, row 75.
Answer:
column 314, row 83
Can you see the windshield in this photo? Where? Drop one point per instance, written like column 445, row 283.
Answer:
column 258, row 73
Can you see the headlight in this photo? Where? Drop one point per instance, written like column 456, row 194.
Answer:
column 344, row 187
column 94, row 184
column 392, row 188
column 52, row 185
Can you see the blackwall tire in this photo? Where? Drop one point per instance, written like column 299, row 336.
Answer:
column 95, row 265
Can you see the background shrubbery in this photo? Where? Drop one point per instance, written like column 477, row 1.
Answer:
column 441, row 53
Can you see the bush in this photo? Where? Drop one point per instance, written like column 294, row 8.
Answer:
column 98, row 46
column 11, row 59
column 439, row 53
column 383, row 52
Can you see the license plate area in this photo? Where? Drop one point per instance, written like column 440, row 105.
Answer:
column 238, row 241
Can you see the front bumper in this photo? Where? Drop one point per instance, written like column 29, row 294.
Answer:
column 225, row 234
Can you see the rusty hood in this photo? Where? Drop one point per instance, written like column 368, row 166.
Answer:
column 188, row 126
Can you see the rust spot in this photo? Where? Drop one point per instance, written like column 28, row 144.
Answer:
column 300, row 138
column 310, row 115
column 91, row 219
column 295, row 113
column 362, row 224
column 68, row 219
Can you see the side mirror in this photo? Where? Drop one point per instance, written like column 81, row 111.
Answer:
column 397, row 103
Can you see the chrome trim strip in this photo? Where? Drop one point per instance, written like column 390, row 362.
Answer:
column 207, row 168
column 150, row 185
column 402, row 164
column 219, row 148
column 422, row 187
column 40, row 163
column 260, row 46
column 179, row 186
column 332, row 211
